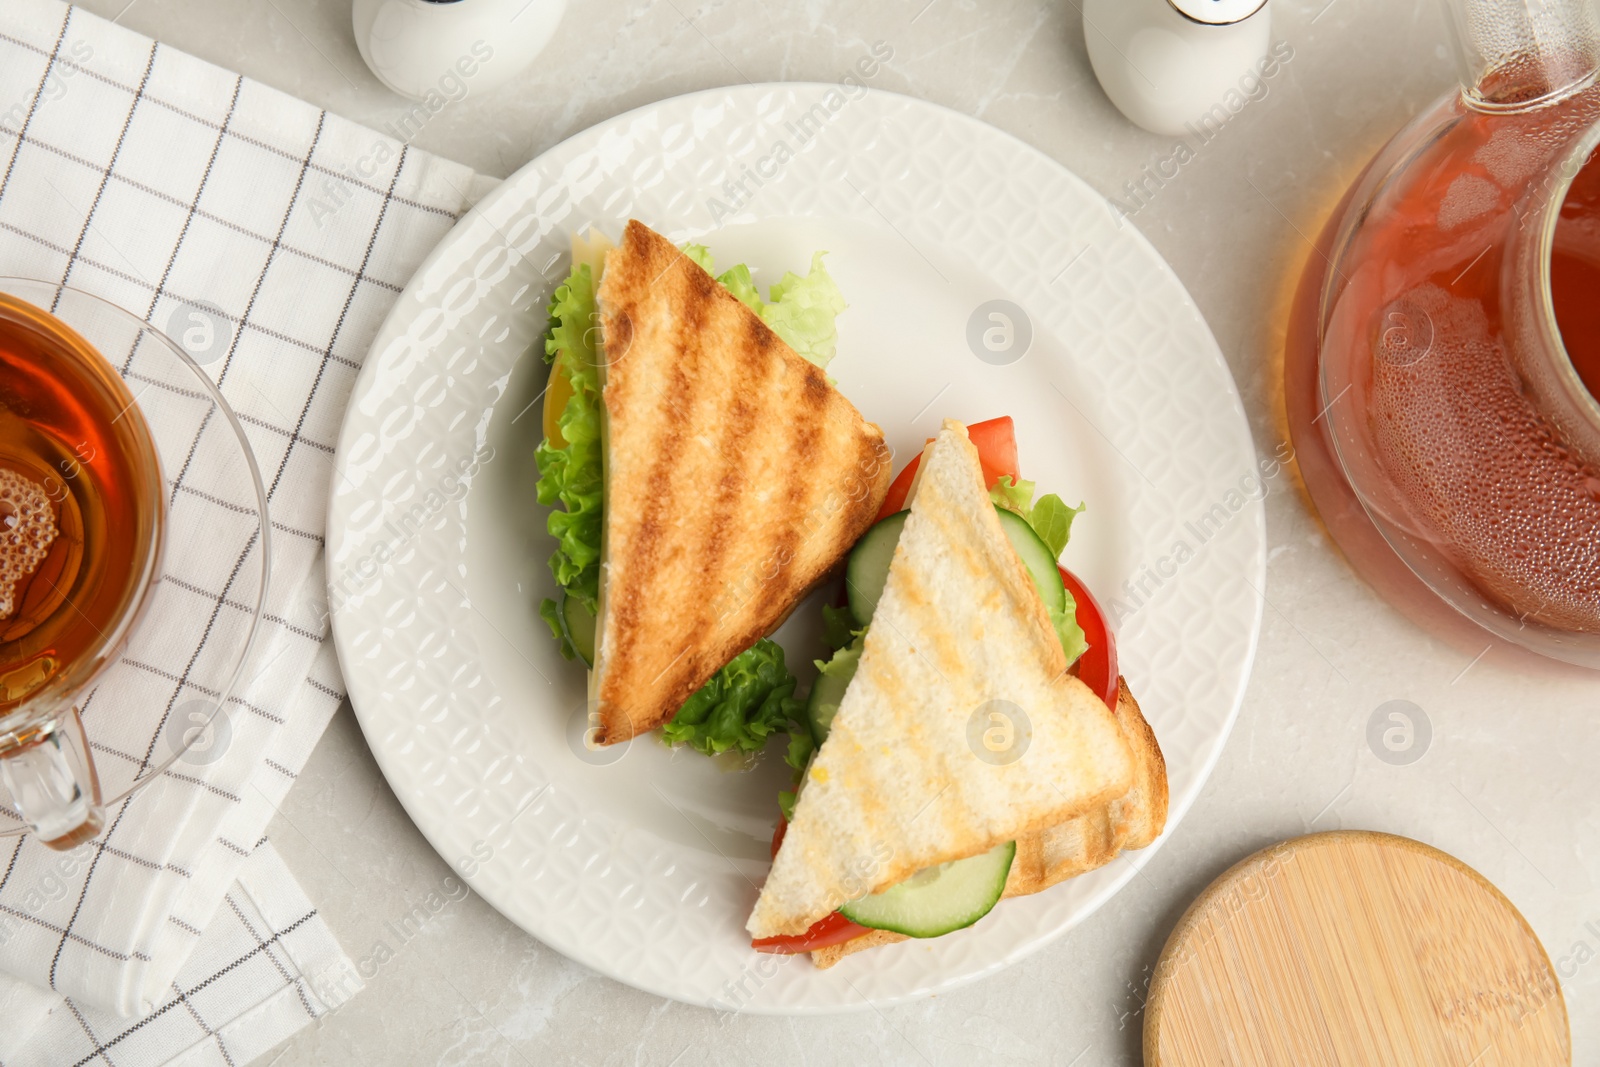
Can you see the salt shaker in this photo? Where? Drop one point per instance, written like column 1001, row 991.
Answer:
column 442, row 50
column 1164, row 63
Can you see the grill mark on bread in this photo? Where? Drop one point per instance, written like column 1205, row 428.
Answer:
column 796, row 490
column 736, row 444
column 887, row 670
column 621, row 621
column 943, row 655
column 814, row 387
column 684, row 664
column 616, row 335
column 632, row 596
column 696, row 299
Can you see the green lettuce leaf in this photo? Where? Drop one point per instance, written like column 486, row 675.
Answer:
column 797, row 755
column 1013, row 496
column 550, row 612
column 802, row 743
column 1073, row 640
column 571, row 475
column 738, row 282
column 801, row 310
column 839, row 627
column 842, row 666
column 1052, row 521
column 742, row 705
column 1050, row 518
column 701, row 255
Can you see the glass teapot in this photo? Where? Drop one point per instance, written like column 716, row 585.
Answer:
column 1442, row 367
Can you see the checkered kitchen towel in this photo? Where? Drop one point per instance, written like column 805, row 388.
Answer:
column 157, row 181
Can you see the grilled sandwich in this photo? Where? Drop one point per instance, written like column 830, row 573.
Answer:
column 964, row 761
column 735, row 477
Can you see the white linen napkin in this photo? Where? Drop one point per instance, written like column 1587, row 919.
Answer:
column 266, row 968
column 157, row 181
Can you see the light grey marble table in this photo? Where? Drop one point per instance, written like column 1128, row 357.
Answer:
column 1508, row 785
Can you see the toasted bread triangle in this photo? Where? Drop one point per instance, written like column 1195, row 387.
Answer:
column 736, row 477
column 911, row 775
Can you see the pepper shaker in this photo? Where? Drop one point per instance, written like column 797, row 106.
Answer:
column 1165, row 62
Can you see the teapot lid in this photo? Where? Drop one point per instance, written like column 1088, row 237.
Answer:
column 1217, row 12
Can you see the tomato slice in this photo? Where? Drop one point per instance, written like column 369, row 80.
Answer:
column 996, row 442
column 833, row 930
column 900, row 488
column 1097, row 668
column 777, row 835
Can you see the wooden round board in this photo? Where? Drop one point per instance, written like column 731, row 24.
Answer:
column 1354, row 948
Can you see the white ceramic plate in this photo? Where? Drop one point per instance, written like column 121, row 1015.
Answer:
column 645, row 867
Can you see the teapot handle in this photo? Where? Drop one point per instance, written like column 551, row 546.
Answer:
column 54, row 785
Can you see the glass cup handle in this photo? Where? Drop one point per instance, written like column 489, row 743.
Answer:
column 54, row 785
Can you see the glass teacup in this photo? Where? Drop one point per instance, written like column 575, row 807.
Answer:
column 117, row 454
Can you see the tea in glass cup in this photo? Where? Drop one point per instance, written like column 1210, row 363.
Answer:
column 80, row 507
column 117, row 454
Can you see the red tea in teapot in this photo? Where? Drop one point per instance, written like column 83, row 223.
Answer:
column 79, row 502
column 1575, row 275
column 1443, row 366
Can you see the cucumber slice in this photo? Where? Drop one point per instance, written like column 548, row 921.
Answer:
column 579, row 625
column 827, row 692
column 940, row 899
column 868, row 569
column 1037, row 557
